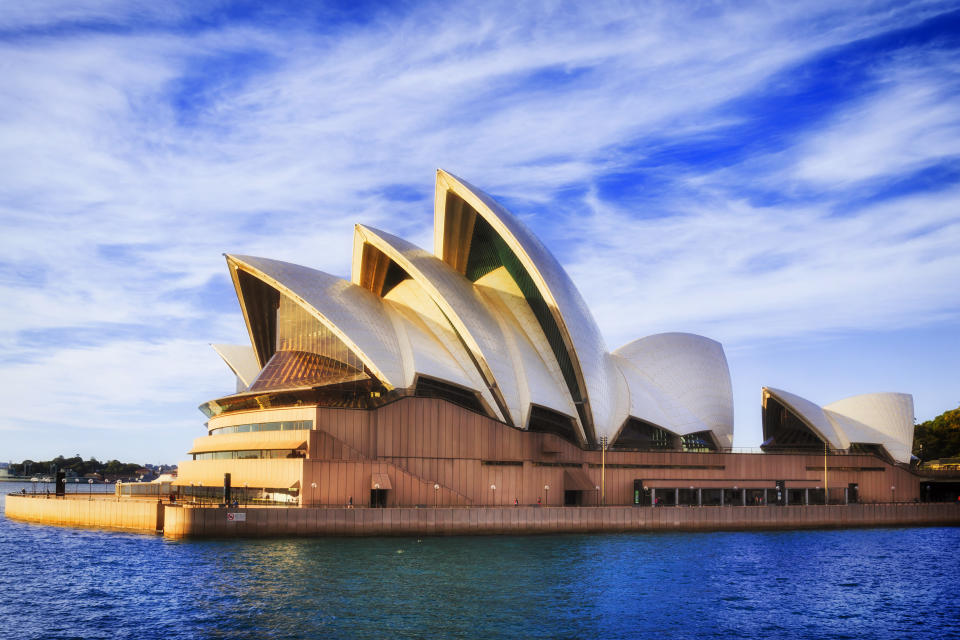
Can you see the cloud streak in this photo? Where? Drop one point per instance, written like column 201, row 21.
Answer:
column 138, row 142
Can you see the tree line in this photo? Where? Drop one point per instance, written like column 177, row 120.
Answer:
column 76, row 464
column 938, row 438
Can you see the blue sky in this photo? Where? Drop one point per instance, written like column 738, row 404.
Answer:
column 784, row 178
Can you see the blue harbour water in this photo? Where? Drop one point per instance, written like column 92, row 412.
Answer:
column 858, row 584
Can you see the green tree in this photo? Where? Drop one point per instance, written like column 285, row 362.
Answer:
column 938, row 438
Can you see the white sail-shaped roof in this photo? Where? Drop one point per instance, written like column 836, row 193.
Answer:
column 492, row 312
column 464, row 308
column 539, row 379
column 879, row 418
column 884, row 419
column 353, row 314
column 242, row 361
column 430, row 345
column 596, row 379
column 810, row 414
column 681, row 382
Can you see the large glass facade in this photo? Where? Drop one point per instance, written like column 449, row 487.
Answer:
column 784, row 431
column 643, row 436
column 306, row 353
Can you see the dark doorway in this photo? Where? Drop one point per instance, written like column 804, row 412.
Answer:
column 378, row 498
column 572, row 498
column 853, row 493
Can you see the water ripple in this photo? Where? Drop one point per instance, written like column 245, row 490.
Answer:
column 64, row 583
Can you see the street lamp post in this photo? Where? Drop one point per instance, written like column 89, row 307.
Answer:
column 90, row 484
column 436, row 495
column 493, row 494
column 313, row 497
column 826, row 485
column 893, row 494
column 597, row 489
column 546, row 488
column 603, row 469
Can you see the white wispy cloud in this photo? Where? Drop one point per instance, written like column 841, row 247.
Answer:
column 132, row 157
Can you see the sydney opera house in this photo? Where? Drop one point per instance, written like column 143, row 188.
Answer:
column 475, row 375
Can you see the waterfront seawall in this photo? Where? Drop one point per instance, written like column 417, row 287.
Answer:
column 96, row 512
column 186, row 521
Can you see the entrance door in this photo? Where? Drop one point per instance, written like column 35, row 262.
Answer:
column 378, row 498
column 571, row 498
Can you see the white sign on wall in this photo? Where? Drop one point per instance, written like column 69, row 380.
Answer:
column 236, row 517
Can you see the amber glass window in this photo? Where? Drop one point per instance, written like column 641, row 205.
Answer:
column 288, row 425
column 307, row 354
column 249, row 454
column 297, row 330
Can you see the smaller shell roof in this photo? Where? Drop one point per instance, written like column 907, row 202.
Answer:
column 463, row 306
column 812, row 415
column 681, row 382
column 884, row 419
column 241, row 359
column 880, row 418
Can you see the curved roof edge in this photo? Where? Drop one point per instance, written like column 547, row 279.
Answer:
column 585, row 347
column 685, row 370
column 351, row 313
column 461, row 305
column 888, row 417
column 241, row 359
column 884, row 419
column 810, row 414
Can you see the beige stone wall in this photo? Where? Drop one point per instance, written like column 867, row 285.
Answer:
column 184, row 521
column 101, row 512
column 276, row 474
column 252, row 440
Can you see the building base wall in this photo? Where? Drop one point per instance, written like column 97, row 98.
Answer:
column 189, row 522
column 98, row 512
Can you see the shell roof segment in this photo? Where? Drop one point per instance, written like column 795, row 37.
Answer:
column 884, row 419
column 887, row 417
column 461, row 304
column 681, row 382
column 812, row 415
column 242, row 361
column 354, row 314
column 429, row 343
column 593, row 380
